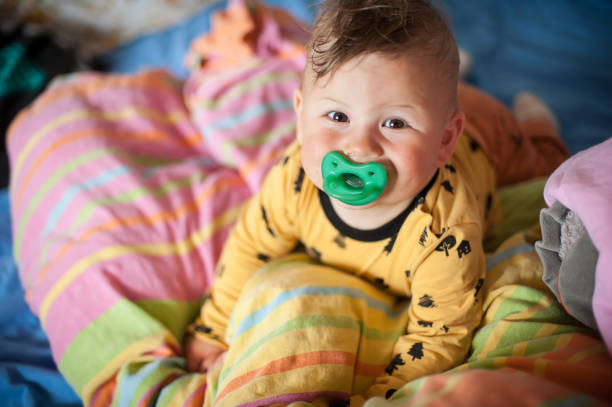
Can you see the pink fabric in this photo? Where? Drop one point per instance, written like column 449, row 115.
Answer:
column 583, row 184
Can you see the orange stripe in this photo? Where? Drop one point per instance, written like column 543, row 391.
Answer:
column 369, row 370
column 140, row 220
column 147, row 80
column 290, row 363
column 104, row 395
column 153, row 392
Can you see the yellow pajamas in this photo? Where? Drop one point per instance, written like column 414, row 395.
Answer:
column 431, row 253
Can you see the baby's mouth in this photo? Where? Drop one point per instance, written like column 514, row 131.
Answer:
column 352, row 183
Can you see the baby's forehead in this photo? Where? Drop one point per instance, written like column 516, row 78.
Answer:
column 415, row 58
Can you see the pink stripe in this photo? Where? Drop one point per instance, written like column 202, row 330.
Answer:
column 260, row 125
column 289, row 398
column 145, row 400
column 134, row 277
column 168, row 225
column 100, row 133
column 260, row 95
column 212, row 85
column 122, row 92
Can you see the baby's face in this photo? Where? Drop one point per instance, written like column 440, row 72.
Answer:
column 394, row 111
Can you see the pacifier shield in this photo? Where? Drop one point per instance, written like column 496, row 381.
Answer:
column 352, row 183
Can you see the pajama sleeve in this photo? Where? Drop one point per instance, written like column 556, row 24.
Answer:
column 264, row 231
column 445, row 309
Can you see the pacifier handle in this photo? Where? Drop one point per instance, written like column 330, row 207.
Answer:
column 352, row 183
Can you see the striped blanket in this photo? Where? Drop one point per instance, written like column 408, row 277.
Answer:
column 123, row 188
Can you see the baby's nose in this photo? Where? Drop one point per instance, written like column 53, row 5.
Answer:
column 362, row 145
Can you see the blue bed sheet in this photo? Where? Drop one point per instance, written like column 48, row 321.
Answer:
column 28, row 376
column 560, row 50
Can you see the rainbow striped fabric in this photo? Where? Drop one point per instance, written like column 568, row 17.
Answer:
column 123, row 188
column 527, row 351
column 304, row 331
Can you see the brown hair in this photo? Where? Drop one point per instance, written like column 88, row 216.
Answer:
column 345, row 29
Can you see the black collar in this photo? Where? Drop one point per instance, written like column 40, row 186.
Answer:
column 385, row 231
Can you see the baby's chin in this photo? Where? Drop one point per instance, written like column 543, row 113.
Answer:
column 353, row 208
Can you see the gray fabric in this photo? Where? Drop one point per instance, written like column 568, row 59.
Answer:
column 569, row 258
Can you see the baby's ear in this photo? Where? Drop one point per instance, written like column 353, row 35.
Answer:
column 453, row 130
column 297, row 106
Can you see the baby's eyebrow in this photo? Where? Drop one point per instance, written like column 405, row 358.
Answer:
column 330, row 99
column 403, row 106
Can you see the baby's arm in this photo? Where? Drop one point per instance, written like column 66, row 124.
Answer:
column 445, row 309
column 263, row 232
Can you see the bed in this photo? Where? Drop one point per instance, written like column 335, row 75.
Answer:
column 149, row 151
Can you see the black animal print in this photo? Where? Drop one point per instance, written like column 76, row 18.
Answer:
column 314, row 253
column 474, row 146
column 416, row 351
column 390, row 393
column 202, row 329
column 395, row 362
column 339, row 240
column 297, row 185
column 426, row 301
column 423, row 237
column 391, row 243
column 446, row 244
column 263, row 257
column 380, row 283
column 478, row 286
column 447, row 185
column 464, row 248
column 264, row 215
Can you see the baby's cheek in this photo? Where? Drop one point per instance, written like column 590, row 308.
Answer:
column 312, row 166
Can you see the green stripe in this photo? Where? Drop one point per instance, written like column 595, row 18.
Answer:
column 72, row 166
column 124, row 324
column 312, row 321
column 132, row 195
column 248, row 86
column 173, row 314
column 520, row 299
column 170, row 391
column 49, row 183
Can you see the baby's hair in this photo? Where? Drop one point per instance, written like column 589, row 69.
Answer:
column 345, row 29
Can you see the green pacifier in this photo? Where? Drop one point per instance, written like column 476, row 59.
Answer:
column 352, row 183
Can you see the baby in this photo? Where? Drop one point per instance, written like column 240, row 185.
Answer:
column 383, row 182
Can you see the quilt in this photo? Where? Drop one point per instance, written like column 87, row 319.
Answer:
column 124, row 188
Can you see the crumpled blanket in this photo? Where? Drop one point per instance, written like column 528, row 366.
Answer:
column 123, row 191
column 583, row 184
column 569, row 259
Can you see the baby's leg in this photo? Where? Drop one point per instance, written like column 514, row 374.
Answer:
column 520, row 146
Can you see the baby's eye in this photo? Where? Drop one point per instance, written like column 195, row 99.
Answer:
column 338, row 117
column 395, row 124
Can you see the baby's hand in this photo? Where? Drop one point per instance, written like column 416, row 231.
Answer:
column 201, row 355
